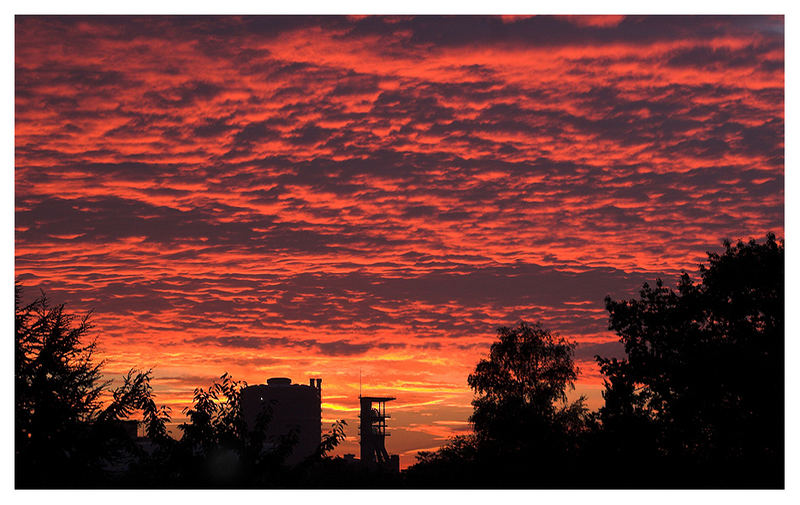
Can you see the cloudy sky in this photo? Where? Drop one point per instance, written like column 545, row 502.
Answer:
column 314, row 196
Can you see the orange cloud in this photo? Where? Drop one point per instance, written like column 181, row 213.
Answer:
column 301, row 196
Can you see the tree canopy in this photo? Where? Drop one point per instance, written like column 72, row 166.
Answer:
column 697, row 401
column 521, row 388
column 703, row 378
column 65, row 432
column 521, row 408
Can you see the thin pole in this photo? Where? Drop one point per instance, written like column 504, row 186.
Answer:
column 359, row 383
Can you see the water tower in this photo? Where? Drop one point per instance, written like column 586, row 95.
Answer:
column 295, row 407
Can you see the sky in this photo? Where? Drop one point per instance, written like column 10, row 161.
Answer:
column 339, row 197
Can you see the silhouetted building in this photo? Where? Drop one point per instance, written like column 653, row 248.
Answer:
column 373, row 433
column 295, row 407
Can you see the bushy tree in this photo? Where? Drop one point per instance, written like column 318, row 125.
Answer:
column 219, row 449
column 521, row 391
column 702, row 383
column 525, row 429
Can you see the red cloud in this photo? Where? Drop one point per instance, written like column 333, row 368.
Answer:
column 302, row 196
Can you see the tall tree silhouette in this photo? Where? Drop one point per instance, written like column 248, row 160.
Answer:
column 702, row 383
column 66, row 435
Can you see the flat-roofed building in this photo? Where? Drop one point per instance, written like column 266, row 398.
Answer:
column 294, row 408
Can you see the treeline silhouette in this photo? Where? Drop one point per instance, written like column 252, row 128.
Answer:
column 697, row 402
column 67, row 438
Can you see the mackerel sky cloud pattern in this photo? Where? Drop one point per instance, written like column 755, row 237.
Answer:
column 317, row 195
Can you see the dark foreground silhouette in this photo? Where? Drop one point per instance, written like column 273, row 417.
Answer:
column 696, row 403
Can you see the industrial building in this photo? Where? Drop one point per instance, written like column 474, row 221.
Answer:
column 297, row 407
column 293, row 407
column 372, row 430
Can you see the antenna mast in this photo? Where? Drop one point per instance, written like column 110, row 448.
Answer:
column 359, row 382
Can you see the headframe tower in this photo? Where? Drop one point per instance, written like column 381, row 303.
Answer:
column 373, row 430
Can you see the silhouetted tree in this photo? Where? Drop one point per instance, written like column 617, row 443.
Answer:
column 219, row 449
column 455, row 464
column 702, row 385
column 332, row 439
column 524, row 425
column 521, row 389
column 65, row 436
column 216, row 449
